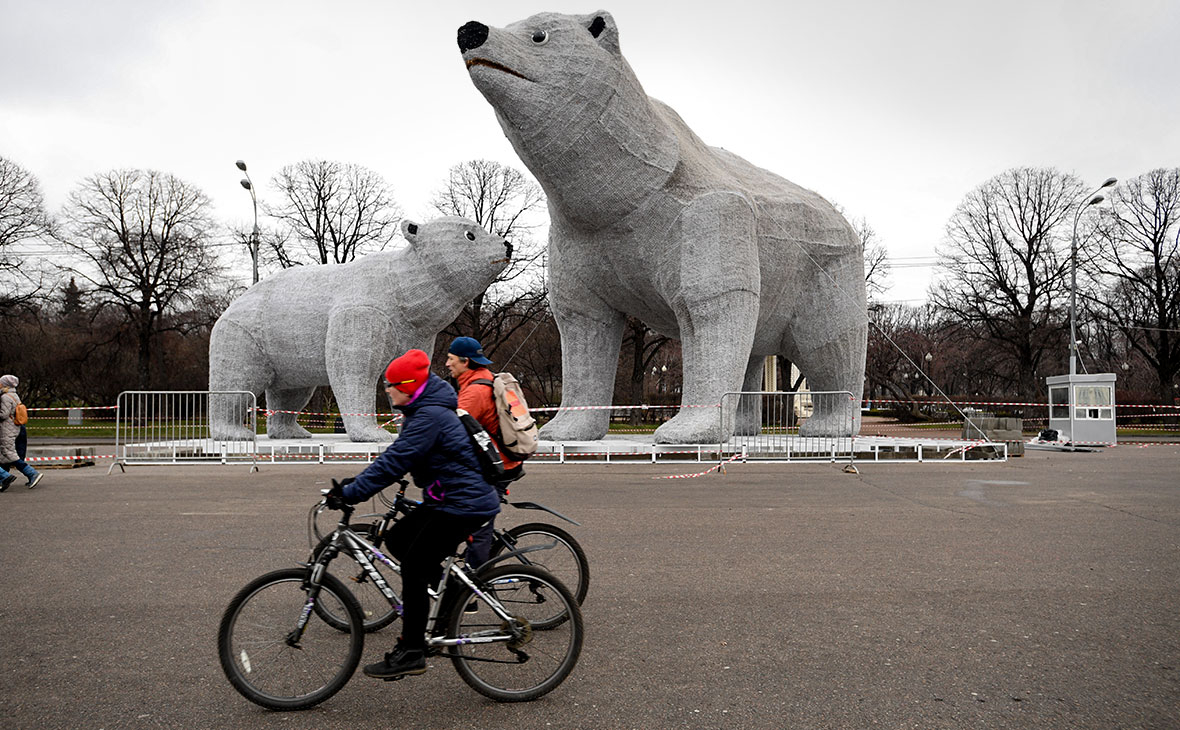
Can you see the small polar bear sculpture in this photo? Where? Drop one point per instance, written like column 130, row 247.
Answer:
column 340, row 325
column 648, row 220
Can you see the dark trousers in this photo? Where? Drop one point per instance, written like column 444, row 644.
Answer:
column 421, row 541
column 480, row 546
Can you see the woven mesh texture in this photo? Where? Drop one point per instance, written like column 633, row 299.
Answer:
column 648, row 220
column 340, row 325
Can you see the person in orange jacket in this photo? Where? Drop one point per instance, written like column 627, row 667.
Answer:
column 468, row 365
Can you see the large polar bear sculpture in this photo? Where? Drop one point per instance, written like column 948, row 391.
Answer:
column 647, row 220
column 340, row 325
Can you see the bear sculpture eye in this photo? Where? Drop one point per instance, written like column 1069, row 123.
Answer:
column 540, row 37
column 470, row 236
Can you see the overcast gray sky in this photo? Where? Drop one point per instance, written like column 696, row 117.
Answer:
column 893, row 109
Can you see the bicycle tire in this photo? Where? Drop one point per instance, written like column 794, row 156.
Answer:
column 255, row 654
column 567, row 562
column 494, row 669
column 376, row 611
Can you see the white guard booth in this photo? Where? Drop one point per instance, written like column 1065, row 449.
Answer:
column 1093, row 408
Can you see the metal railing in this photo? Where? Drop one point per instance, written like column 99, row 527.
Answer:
column 220, row 427
column 788, row 426
column 173, row 427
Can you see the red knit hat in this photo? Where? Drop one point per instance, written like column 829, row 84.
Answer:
column 408, row 372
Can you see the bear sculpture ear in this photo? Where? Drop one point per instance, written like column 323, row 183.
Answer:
column 602, row 26
column 410, row 231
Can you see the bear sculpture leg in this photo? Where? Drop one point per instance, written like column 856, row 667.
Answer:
column 838, row 365
column 590, row 341
column 235, row 363
column 355, row 366
column 283, row 406
column 228, row 414
column 716, row 311
column 716, row 337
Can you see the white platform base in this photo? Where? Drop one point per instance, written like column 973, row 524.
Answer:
column 324, row 448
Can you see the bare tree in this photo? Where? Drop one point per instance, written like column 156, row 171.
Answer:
column 534, row 356
column 22, row 206
column 1137, row 271
column 1005, row 265
column 875, row 254
column 22, row 217
column 644, row 345
column 876, row 257
column 507, row 203
column 274, row 245
column 898, row 340
column 144, row 241
column 334, row 211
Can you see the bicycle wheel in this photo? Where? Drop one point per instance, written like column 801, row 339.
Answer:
column 533, row 663
column 263, row 663
column 566, row 560
column 376, row 610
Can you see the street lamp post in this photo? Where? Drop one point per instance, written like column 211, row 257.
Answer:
column 1094, row 199
column 246, row 183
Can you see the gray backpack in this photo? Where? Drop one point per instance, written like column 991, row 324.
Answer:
column 518, row 430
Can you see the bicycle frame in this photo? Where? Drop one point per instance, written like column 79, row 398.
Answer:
column 360, row 549
column 401, row 505
column 449, row 568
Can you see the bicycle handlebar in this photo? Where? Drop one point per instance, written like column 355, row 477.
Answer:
column 347, row 509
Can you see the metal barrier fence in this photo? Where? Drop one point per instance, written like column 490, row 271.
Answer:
column 173, row 427
column 788, row 426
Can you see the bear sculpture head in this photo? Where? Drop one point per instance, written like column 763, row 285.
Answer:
column 573, row 109
column 462, row 256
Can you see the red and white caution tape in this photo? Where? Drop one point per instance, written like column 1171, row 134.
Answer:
column 272, row 411
column 81, row 457
column 870, row 401
column 645, row 407
column 637, row 454
column 713, row 468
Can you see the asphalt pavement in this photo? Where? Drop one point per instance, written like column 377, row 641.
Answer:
column 1039, row 593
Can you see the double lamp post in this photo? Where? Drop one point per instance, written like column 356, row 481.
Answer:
column 246, row 183
column 1093, row 198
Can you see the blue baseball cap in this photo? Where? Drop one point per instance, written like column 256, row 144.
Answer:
column 469, row 348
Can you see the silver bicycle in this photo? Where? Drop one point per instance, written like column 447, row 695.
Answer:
column 536, row 543
column 292, row 638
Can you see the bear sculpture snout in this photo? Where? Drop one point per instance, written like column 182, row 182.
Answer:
column 472, row 35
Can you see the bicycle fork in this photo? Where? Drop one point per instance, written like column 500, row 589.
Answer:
column 312, row 585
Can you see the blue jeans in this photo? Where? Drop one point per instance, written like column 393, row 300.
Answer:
column 21, row 466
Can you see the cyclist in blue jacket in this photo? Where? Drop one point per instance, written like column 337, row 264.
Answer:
column 434, row 448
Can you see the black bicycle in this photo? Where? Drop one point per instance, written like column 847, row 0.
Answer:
column 535, row 543
column 292, row 638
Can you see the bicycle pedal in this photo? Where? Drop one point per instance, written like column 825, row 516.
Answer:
column 394, row 679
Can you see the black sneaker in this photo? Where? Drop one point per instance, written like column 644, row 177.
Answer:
column 35, row 480
column 401, row 662
column 4, row 485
